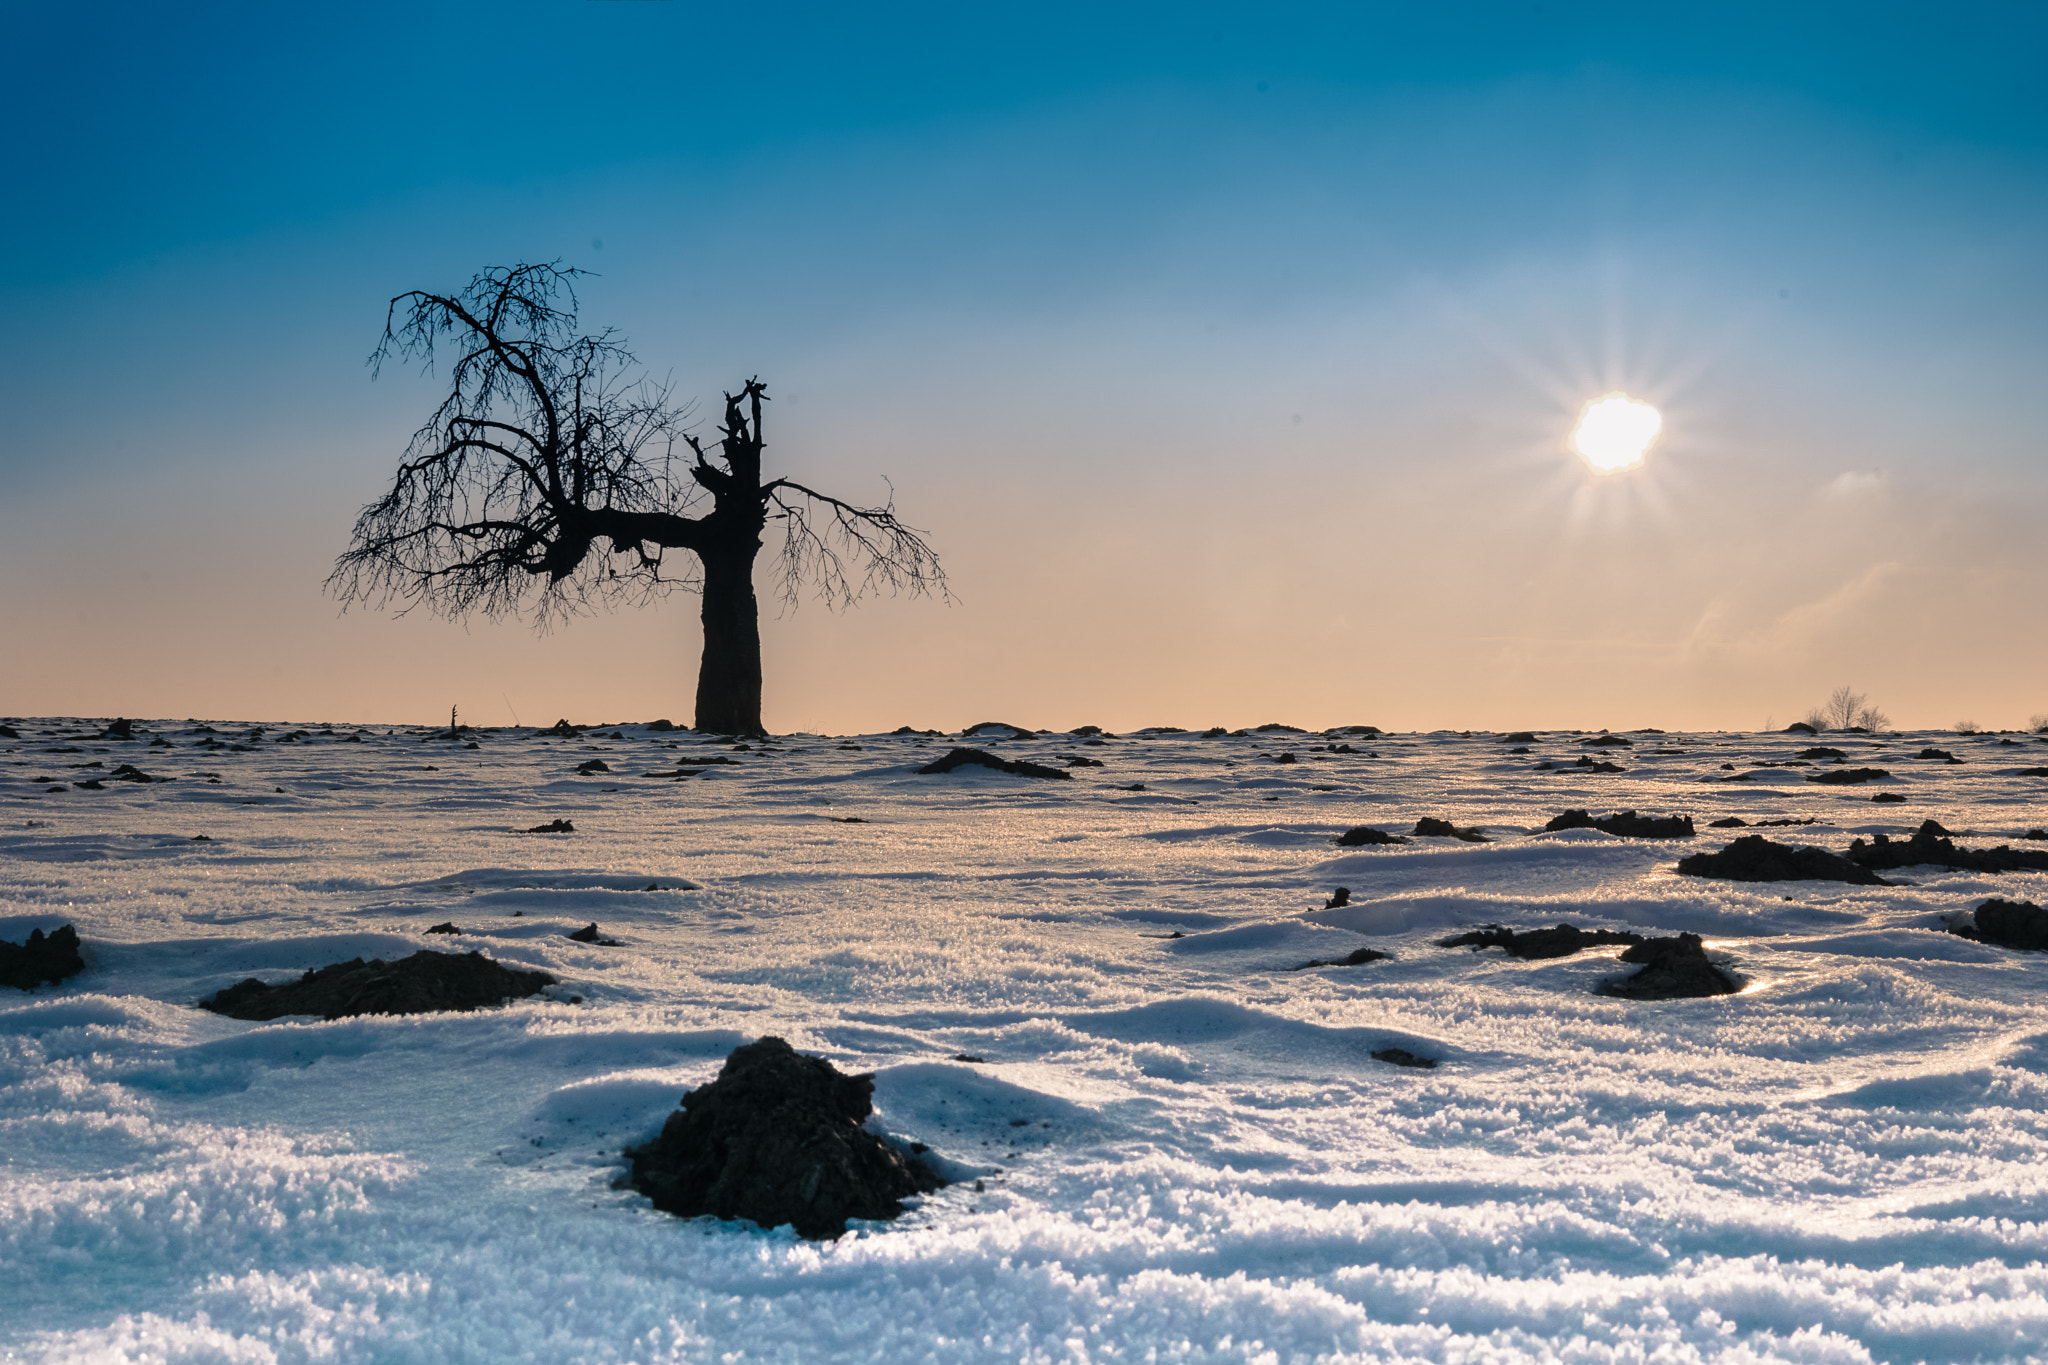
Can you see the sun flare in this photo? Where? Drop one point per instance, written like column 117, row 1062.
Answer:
column 1615, row 431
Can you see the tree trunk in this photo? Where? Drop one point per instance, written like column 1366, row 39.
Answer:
column 729, row 678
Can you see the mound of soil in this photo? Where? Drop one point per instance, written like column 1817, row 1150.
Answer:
column 44, row 957
column 1401, row 1056
column 554, row 827
column 590, row 933
column 1800, row 727
column 1729, row 822
column 444, row 927
column 997, row 725
column 1519, row 737
column 1588, row 765
column 1366, row 834
column 1942, row 754
column 1930, row 847
column 2008, row 924
column 1889, row 799
column 1753, row 858
column 663, row 726
column 960, row 758
column 913, row 730
column 1357, row 957
column 1538, row 944
column 2030, row 772
column 1627, row 824
column 1429, row 827
column 1607, row 742
column 1822, row 752
column 1673, row 969
column 425, row 983
column 777, row 1138
column 595, row 765
column 1848, row 777
column 562, row 728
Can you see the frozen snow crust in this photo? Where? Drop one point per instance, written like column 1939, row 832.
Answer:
column 1184, row 1151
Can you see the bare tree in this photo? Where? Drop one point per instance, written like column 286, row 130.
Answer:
column 1848, row 709
column 549, row 481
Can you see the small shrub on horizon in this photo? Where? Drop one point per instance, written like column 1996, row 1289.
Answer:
column 1967, row 727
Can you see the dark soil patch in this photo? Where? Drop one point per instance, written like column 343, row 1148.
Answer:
column 1401, row 1056
column 1672, row 969
column 595, row 765
column 663, row 726
column 1627, row 824
column 128, row 772
column 1942, row 754
column 425, row 983
column 1338, row 898
column 1753, row 858
column 1800, row 727
column 2031, row 772
column 1822, row 752
column 445, row 927
column 1848, row 777
column 554, row 827
column 590, row 933
column 1275, row 727
column 562, row 728
column 1519, row 737
column 960, row 758
column 1366, row 834
column 913, row 730
column 777, row 1138
column 1607, row 742
column 1789, row 820
column 1538, row 944
column 2007, row 924
column 1429, row 827
column 44, row 957
column 998, row 725
column 2035, row 834
column 1729, row 822
column 1889, row 799
column 1588, row 765
column 1929, row 847
column 1357, row 957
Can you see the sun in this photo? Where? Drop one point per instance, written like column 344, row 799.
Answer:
column 1615, row 431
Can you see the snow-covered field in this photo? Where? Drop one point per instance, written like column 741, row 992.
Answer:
column 1186, row 1152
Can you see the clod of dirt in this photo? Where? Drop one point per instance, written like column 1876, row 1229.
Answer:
column 1287, row 758
column 2035, row 834
column 1357, row 957
column 1627, row 824
column 554, row 827
column 1848, row 777
column 1822, row 752
column 562, row 728
column 43, row 957
column 1673, row 969
column 118, row 729
column 1729, row 822
column 970, row 1057
column 445, row 927
column 2007, row 924
column 1936, row 753
column 1889, row 798
column 1588, row 765
column 1519, row 737
column 1753, row 858
column 2030, row 772
column 913, row 730
column 1366, row 834
column 1340, row 897
column 1401, row 1056
column 1800, row 727
column 1276, row 728
column 662, row 726
column 1538, row 944
column 425, row 983
column 959, row 758
column 1607, row 742
column 1430, row 827
column 595, row 765
column 1016, row 730
column 777, row 1138
column 1930, row 847
column 1078, row 761
column 128, row 772
column 590, row 933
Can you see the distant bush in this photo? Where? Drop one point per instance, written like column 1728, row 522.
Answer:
column 1967, row 727
column 1848, row 709
column 2038, row 722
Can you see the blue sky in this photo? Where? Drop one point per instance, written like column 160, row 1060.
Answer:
column 1229, row 350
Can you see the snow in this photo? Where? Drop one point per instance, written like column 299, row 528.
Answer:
column 1184, row 1149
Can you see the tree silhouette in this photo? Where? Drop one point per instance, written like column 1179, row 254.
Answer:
column 550, row 481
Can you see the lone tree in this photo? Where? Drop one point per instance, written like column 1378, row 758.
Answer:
column 551, row 481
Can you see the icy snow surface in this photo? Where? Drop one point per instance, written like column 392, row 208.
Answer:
column 1185, row 1151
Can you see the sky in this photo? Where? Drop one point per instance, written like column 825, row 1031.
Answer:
column 1227, row 354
